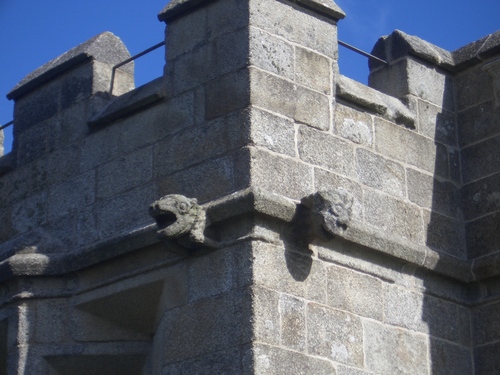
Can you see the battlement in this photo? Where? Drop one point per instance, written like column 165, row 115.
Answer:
column 337, row 227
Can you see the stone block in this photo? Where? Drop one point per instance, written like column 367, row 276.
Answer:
column 293, row 322
column 71, row 196
column 280, row 175
column 186, row 34
column 124, row 212
column 478, row 123
column 354, row 292
column 206, row 326
column 449, row 359
column 380, row 173
column 83, row 81
column 327, row 151
column 313, row 70
column 226, row 16
column 393, row 216
column 454, row 165
column 67, row 170
column 125, row 173
column 295, row 25
column 324, row 180
column 224, row 54
column 273, row 132
column 210, row 275
column 481, row 159
column 51, row 320
column 437, row 195
column 266, row 323
column 271, row 54
column 390, row 350
column 226, row 362
column 36, row 107
column 409, row 147
column 208, row 180
column 284, row 97
column 473, row 86
column 263, row 359
column 227, row 94
column 412, row 77
column 487, row 359
column 481, row 197
column 30, row 213
column 211, row 140
column 437, row 123
column 33, row 143
column 288, row 272
column 353, row 124
column 344, row 370
column 421, row 312
column 163, row 120
column 483, row 235
column 484, row 323
column 335, row 335
column 444, row 234
column 98, row 148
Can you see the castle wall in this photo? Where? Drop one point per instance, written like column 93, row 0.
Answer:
column 252, row 118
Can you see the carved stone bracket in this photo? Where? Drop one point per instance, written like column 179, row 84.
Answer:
column 181, row 219
column 330, row 210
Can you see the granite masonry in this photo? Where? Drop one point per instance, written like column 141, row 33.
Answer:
column 301, row 222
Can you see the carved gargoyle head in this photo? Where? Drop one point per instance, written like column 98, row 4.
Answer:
column 175, row 215
column 331, row 209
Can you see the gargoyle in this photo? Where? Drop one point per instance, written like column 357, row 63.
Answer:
column 182, row 219
column 330, row 210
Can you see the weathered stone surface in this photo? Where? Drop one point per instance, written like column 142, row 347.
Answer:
column 299, row 27
column 227, row 94
column 379, row 173
column 473, row 86
column 271, row 54
column 390, row 350
column 481, row 197
column 444, row 234
column 263, row 359
column 354, row 292
column 293, row 322
column 481, row 159
column 313, row 70
column 483, row 323
column 51, row 320
column 276, row 133
column 225, row 362
column 286, row 98
column 342, row 342
column 393, row 216
column 326, row 151
column 486, row 359
column 477, row 123
column 409, row 147
column 280, row 175
column 267, row 327
column 449, row 359
column 437, row 123
column 428, row 192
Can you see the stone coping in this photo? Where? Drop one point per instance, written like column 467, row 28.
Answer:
column 250, row 201
column 129, row 103
column 105, row 47
column 327, row 8
column 375, row 101
column 398, row 44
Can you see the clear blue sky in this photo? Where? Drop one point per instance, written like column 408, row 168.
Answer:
column 34, row 32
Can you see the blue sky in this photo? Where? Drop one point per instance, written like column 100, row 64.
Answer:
column 34, row 32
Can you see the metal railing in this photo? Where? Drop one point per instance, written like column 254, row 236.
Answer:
column 361, row 52
column 130, row 59
column 7, row 125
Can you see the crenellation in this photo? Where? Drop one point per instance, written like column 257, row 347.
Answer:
column 339, row 228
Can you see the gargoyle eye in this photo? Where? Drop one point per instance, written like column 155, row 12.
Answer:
column 183, row 206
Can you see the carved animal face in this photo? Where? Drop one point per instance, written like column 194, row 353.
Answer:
column 175, row 215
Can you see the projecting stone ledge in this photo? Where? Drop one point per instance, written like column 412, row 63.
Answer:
column 106, row 48
column 326, row 8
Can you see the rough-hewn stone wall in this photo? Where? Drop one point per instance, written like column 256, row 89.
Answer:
column 338, row 228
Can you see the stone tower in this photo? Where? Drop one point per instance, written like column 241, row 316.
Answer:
column 253, row 211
